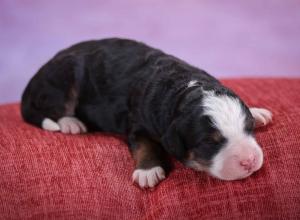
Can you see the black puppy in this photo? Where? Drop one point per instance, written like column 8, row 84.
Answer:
column 163, row 105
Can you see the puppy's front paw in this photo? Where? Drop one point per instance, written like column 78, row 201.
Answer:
column 262, row 116
column 71, row 125
column 148, row 178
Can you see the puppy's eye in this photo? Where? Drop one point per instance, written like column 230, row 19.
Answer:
column 249, row 126
column 216, row 136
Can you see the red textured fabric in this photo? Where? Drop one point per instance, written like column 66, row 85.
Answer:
column 46, row 175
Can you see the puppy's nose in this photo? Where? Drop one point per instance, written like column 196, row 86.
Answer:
column 249, row 163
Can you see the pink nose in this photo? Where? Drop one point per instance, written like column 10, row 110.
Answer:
column 248, row 164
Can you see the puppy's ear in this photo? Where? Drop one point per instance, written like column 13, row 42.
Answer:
column 173, row 142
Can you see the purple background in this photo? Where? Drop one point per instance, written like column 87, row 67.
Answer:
column 227, row 38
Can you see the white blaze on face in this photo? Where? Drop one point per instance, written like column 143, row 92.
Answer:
column 241, row 155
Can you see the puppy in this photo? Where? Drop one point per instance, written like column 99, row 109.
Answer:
column 164, row 106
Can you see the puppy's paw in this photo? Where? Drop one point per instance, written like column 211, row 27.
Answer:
column 262, row 116
column 71, row 125
column 148, row 178
column 49, row 125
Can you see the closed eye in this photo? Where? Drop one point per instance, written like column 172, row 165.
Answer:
column 249, row 125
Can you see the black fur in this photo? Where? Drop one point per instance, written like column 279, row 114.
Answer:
column 127, row 87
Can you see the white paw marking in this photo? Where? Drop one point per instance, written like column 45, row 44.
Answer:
column 262, row 116
column 50, row 125
column 148, row 178
column 71, row 125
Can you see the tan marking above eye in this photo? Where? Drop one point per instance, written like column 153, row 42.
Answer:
column 216, row 136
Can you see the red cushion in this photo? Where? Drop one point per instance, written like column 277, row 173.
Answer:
column 52, row 175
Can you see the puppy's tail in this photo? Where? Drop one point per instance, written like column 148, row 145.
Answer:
column 50, row 125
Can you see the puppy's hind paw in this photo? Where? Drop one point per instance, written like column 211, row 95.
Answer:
column 71, row 125
column 148, row 178
column 262, row 116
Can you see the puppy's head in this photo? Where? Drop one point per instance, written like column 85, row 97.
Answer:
column 217, row 137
